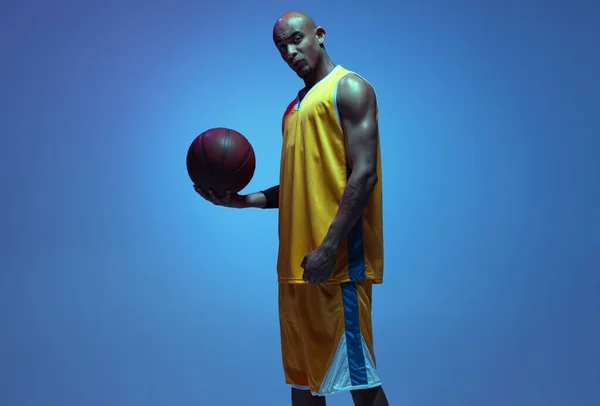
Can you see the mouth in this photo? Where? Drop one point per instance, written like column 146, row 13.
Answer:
column 297, row 63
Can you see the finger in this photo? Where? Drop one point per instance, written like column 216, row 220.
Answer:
column 201, row 192
column 305, row 276
column 212, row 195
column 303, row 264
column 227, row 199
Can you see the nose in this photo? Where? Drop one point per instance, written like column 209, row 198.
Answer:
column 291, row 54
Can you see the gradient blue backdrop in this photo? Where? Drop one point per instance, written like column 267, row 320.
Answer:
column 119, row 286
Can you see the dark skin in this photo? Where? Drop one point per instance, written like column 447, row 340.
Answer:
column 357, row 105
column 301, row 45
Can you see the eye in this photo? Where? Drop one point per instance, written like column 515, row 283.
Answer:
column 297, row 39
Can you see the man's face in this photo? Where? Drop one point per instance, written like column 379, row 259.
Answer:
column 298, row 45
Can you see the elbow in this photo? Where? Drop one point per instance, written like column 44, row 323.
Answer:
column 367, row 177
column 372, row 180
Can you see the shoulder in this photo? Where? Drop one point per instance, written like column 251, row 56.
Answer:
column 288, row 110
column 354, row 84
column 289, row 107
column 355, row 96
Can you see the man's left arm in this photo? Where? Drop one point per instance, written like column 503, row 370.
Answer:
column 357, row 104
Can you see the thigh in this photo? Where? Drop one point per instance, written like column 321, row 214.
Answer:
column 339, row 323
column 292, row 347
column 364, row 300
column 327, row 337
column 321, row 323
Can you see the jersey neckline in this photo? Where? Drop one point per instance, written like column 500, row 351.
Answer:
column 298, row 101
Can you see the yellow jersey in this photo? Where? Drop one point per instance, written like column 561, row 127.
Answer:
column 313, row 175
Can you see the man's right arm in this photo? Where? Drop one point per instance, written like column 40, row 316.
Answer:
column 266, row 199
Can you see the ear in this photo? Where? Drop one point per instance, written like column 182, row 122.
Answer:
column 320, row 33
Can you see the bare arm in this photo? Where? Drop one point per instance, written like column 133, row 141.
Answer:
column 267, row 199
column 257, row 199
column 357, row 105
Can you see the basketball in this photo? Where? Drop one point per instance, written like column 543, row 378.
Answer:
column 221, row 159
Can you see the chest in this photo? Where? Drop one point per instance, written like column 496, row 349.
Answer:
column 313, row 121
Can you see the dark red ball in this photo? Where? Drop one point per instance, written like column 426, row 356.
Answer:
column 221, row 159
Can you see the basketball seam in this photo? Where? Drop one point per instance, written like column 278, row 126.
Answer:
column 241, row 165
column 225, row 147
column 204, row 154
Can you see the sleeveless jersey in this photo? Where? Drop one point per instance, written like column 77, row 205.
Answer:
column 313, row 176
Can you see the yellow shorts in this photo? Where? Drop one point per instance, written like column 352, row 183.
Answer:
column 327, row 337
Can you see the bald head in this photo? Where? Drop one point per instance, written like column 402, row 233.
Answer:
column 295, row 18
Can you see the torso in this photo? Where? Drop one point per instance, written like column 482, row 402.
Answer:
column 313, row 176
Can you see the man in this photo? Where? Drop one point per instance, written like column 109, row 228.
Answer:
column 330, row 222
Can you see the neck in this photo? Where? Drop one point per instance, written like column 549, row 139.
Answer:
column 321, row 70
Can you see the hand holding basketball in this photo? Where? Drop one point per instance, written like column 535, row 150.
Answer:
column 230, row 199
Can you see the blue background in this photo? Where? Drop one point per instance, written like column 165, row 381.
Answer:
column 120, row 286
